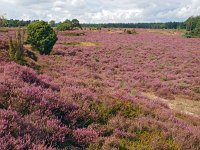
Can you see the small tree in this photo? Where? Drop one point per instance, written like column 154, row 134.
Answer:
column 197, row 29
column 76, row 24
column 41, row 36
column 16, row 49
column 52, row 23
column 3, row 21
column 64, row 26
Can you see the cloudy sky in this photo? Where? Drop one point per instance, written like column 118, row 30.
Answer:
column 101, row 11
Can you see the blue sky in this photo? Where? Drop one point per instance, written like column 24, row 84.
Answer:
column 101, row 11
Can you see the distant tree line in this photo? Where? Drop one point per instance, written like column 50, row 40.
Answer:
column 192, row 24
column 13, row 22
column 67, row 24
column 62, row 26
column 168, row 25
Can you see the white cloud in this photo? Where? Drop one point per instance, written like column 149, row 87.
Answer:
column 101, row 10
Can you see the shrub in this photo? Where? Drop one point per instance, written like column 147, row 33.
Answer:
column 197, row 29
column 76, row 24
column 131, row 31
column 64, row 26
column 188, row 35
column 16, row 49
column 41, row 36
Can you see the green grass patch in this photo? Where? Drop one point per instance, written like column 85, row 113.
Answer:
column 75, row 34
column 86, row 44
column 106, row 111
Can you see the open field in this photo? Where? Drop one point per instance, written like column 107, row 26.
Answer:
column 104, row 90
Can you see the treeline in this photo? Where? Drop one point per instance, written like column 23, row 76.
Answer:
column 192, row 24
column 13, row 22
column 168, row 25
column 67, row 24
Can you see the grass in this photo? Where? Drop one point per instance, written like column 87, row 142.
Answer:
column 167, row 31
column 87, row 44
column 74, row 34
column 183, row 105
column 186, row 106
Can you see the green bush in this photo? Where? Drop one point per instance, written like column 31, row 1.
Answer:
column 76, row 24
column 188, row 35
column 41, row 36
column 64, row 26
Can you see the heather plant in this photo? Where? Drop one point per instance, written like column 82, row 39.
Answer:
column 102, row 99
column 41, row 36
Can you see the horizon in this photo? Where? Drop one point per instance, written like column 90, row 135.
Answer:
column 101, row 12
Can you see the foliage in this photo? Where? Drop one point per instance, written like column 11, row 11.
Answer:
column 64, row 26
column 16, row 49
column 193, row 27
column 52, row 23
column 197, row 29
column 76, row 24
column 75, row 34
column 3, row 21
column 191, row 23
column 133, row 31
column 41, row 36
column 69, row 25
column 167, row 25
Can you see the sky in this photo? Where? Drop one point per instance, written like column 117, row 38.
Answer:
column 101, row 11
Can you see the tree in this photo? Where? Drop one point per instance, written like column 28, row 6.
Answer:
column 66, row 25
column 75, row 23
column 52, row 23
column 191, row 23
column 41, row 36
column 67, row 21
column 3, row 21
column 193, row 27
column 197, row 29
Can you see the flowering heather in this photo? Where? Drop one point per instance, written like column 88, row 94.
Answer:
column 91, row 96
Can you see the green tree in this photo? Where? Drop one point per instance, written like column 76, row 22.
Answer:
column 191, row 23
column 3, row 21
column 52, row 23
column 64, row 26
column 76, row 24
column 197, row 29
column 41, row 36
column 67, row 21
